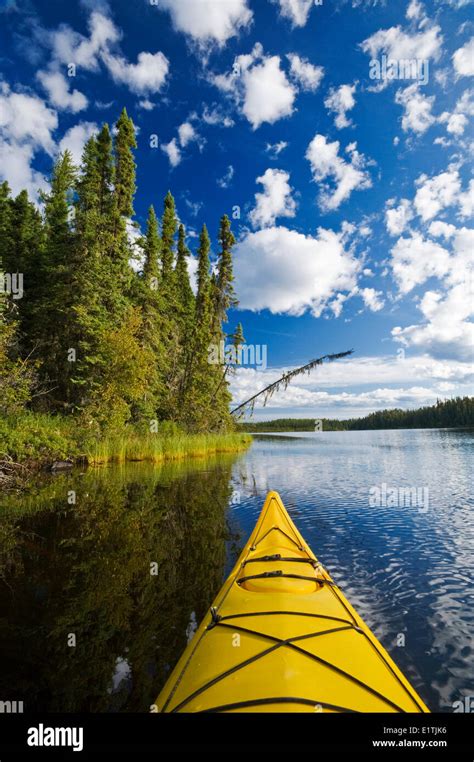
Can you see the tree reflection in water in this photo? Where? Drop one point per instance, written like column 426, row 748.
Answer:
column 84, row 571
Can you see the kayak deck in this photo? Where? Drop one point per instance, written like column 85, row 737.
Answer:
column 281, row 637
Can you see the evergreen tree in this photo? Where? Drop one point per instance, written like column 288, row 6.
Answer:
column 104, row 313
column 5, row 220
column 183, row 286
column 21, row 258
column 202, row 369
column 87, row 200
column 224, row 290
column 203, row 298
column 111, row 344
column 154, row 323
column 125, row 164
column 105, row 170
column 168, row 232
column 51, row 329
column 223, row 299
column 151, row 250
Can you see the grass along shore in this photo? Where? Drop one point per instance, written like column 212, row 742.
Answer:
column 33, row 441
column 152, row 447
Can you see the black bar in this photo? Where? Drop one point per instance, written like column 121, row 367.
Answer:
column 443, row 734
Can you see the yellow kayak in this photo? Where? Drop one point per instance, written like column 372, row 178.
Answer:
column 281, row 637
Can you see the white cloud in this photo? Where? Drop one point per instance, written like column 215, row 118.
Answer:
column 439, row 229
column 215, row 116
column 436, row 193
column 259, row 86
column 466, row 201
column 26, row 127
column 70, row 47
column 26, row 118
column 383, row 382
column 372, row 299
column 416, row 259
column 226, row 179
column 417, row 116
column 305, row 74
column 346, row 176
column 187, row 134
column 268, row 94
column 445, row 329
column 456, row 123
column 146, row 76
column 457, row 120
column 275, row 201
column 172, row 151
column 297, row 11
column 76, row 137
column 385, row 370
column 194, row 208
column 463, row 60
column 415, row 10
column 397, row 218
column 275, row 149
column 16, row 167
column 399, row 45
column 262, row 89
column 57, row 87
column 287, row 272
column 146, row 104
column 340, row 101
column 207, row 20
column 442, row 77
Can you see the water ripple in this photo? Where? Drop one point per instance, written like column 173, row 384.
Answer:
column 408, row 570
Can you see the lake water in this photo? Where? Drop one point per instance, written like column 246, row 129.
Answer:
column 104, row 574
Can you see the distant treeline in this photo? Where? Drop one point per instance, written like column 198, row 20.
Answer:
column 451, row 413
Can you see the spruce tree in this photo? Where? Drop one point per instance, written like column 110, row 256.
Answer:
column 183, row 286
column 201, row 373
column 5, row 220
column 24, row 238
column 151, row 250
column 203, row 298
column 51, row 331
column 125, row 164
column 154, row 322
column 112, row 345
column 168, row 231
column 105, row 170
column 104, row 313
column 223, row 299
column 224, row 292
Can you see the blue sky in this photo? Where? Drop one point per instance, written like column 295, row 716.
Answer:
column 350, row 195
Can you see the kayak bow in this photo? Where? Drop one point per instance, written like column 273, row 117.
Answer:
column 281, row 637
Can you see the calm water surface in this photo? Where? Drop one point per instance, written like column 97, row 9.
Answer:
column 98, row 598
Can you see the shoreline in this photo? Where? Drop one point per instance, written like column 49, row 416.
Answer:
column 35, row 444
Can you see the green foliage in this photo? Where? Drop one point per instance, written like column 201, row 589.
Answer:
column 168, row 231
column 89, row 574
column 17, row 377
column 183, row 286
column 125, row 164
column 92, row 338
column 39, row 437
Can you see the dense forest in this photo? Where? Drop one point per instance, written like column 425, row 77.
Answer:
column 450, row 413
column 100, row 326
